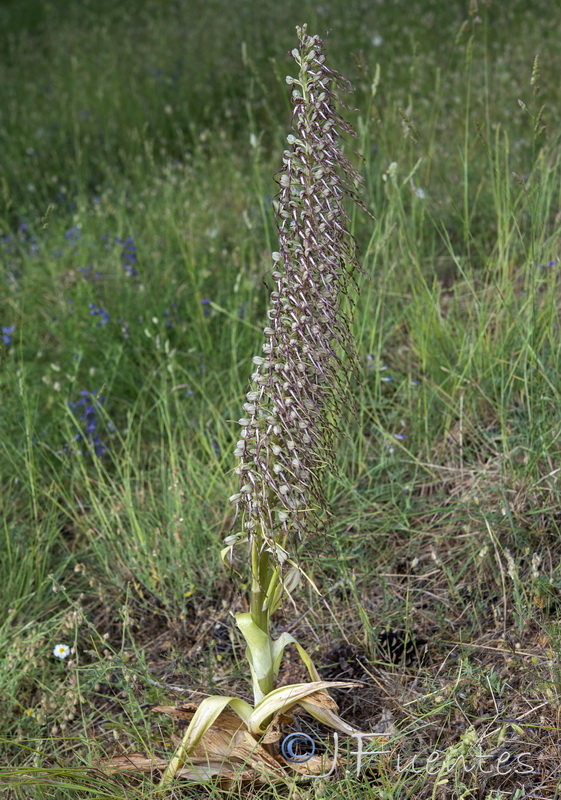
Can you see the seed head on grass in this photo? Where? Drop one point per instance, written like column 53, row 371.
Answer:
column 296, row 399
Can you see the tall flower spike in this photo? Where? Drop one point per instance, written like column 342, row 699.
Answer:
column 295, row 402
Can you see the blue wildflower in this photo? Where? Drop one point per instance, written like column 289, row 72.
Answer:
column 215, row 445
column 86, row 410
column 88, row 272
column 72, row 235
column 7, row 331
column 101, row 312
column 205, row 303
column 99, row 447
column 546, row 266
column 128, row 255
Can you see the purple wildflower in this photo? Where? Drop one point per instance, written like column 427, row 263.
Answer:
column 128, row 255
column 86, row 410
column 7, row 331
column 88, row 273
column 215, row 445
column 548, row 265
column 101, row 312
column 72, row 235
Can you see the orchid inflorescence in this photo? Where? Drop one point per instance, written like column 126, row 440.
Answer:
column 295, row 402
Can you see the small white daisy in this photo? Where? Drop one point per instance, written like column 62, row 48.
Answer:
column 61, row 651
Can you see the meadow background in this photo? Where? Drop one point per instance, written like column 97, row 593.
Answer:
column 138, row 147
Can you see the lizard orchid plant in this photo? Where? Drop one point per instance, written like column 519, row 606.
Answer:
column 295, row 400
column 291, row 417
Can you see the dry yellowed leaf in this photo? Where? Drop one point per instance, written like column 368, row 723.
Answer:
column 323, row 700
column 316, row 765
column 134, row 762
column 229, row 752
column 273, row 734
column 228, row 719
column 185, row 712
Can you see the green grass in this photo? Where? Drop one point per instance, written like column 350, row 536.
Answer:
column 164, row 122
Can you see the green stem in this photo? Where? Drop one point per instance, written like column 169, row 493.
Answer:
column 259, row 585
column 262, row 583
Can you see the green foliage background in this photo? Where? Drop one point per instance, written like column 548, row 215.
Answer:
column 164, row 123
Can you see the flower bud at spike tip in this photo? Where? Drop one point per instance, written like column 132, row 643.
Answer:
column 299, row 387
